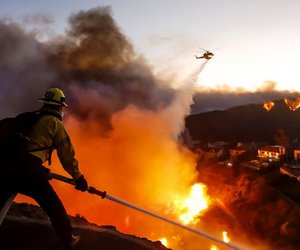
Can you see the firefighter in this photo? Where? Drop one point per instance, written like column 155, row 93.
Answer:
column 32, row 178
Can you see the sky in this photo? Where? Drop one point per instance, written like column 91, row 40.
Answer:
column 253, row 41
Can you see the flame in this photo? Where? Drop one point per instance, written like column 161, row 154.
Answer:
column 188, row 209
column 134, row 154
column 164, row 241
column 193, row 206
column 269, row 105
column 292, row 104
column 225, row 237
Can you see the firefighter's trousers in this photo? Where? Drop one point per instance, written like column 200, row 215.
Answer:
column 30, row 178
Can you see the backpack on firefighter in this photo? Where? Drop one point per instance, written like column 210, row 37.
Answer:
column 14, row 136
column 15, row 131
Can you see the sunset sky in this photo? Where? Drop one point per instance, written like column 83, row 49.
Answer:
column 253, row 41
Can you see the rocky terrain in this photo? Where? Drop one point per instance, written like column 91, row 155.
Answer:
column 260, row 208
column 27, row 227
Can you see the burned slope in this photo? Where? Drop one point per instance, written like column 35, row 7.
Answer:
column 257, row 208
column 27, row 227
column 245, row 123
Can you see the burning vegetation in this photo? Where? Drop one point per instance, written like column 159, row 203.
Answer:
column 192, row 207
column 269, row 105
column 291, row 104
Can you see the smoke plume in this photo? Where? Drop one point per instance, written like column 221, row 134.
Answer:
column 23, row 68
column 93, row 56
column 123, row 120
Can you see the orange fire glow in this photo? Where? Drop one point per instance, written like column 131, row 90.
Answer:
column 164, row 241
column 138, row 161
column 188, row 208
column 225, row 239
column 292, row 104
column 192, row 207
column 268, row 105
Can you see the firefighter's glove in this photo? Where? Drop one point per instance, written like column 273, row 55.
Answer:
column 81, row 184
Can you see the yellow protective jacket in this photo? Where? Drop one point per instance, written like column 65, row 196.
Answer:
column 48, row 134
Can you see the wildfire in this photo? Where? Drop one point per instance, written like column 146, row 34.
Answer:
column 225, row 239
column 190, row 208
column 269, row 105
column 292, row 104
column 164, row 241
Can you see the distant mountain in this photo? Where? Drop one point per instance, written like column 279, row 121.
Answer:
column 247, row 123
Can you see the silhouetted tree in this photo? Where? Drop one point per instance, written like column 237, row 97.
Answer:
column 282, row 140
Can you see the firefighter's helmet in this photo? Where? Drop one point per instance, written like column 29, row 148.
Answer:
column 54, row 96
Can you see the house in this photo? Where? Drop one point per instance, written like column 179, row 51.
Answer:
column 271, row 153
column 218, row 147
column 240, row 149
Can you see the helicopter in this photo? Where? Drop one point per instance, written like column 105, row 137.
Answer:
column 207, row 55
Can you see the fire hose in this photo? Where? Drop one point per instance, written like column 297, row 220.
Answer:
column 105, row 195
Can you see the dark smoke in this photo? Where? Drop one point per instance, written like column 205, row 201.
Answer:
column 94, row 45
column 94, row 63
column 23, row 69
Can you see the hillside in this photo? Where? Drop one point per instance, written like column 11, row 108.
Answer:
column 261, row 208
column 27, row 227
column 246, row 123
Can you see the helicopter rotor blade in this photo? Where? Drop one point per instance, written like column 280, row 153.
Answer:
column 203, row 49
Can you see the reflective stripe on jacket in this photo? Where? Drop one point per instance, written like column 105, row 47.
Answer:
column 49, row 133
